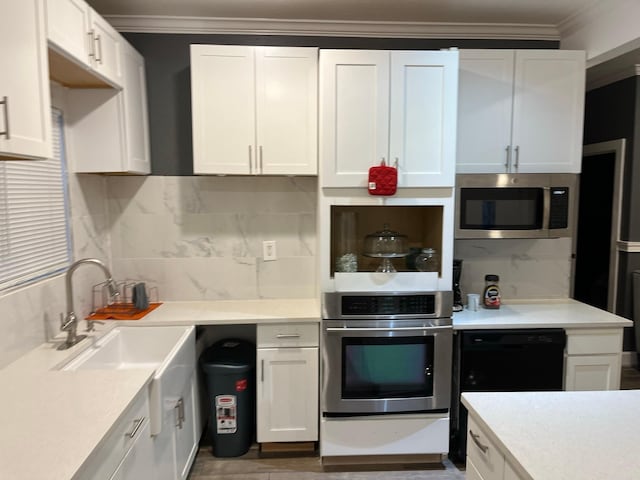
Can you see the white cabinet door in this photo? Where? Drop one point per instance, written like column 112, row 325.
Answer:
column 287, row 110
column 592, row 372
column 287, row 394
column 548, row 111
column 422, row 132
column 354, row 115
column 106, row 49
column 187, row 429
column 254, row 110
column 484, row 111
column 68, row 29
column 136, row 119
column 520, row 111
column 222, row 106
column 138, row 462
column 25, row 100
column 397, row 106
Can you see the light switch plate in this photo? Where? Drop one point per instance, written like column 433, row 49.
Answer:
column 269, row 250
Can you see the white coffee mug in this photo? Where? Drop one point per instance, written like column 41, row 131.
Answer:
column 473, row 301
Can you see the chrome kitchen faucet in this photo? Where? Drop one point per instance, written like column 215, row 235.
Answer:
column 69, row 323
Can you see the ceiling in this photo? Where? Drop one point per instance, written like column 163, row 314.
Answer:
column 531, row 12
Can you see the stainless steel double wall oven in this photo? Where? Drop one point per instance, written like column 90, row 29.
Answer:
column 386, row 352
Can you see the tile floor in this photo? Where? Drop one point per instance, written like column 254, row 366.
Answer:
column 253, row 466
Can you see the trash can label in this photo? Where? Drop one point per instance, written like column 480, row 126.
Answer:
column 226, row 414
column 241, row 385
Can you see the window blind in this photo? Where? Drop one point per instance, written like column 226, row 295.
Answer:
column 34, row 220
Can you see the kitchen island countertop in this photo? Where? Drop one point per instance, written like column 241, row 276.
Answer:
column 557, row 313
column 563, row 435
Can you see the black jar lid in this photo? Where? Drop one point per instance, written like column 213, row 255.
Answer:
column 491, row 278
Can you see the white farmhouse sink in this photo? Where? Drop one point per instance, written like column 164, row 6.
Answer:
column 170, row 351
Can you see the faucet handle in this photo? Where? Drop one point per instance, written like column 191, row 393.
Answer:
column 91, row 325
column 67, row 321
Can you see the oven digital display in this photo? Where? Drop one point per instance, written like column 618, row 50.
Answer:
column 388, row 305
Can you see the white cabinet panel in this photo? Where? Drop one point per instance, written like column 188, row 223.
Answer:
column 254, row 110
column 395, row 106
column 68, row 29
column 520, row 111
column 484, row 110
column 548, row 111
column 287, row 394
column 592, row 372
column 354, row 98
column 138, row 462
column 107, row 49
column 25, row 100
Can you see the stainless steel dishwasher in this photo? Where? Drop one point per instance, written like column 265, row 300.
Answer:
column 505, row 360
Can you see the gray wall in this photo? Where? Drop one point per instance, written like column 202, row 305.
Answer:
column 612, row 112
column 169, row 91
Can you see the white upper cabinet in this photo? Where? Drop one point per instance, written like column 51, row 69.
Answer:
column 396, row 106
column 520, row 111
column 78, row 33
column 109, row 131
column 25, row 100
column 254, row 110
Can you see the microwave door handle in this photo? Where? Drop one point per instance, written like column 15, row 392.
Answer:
column 546, row 206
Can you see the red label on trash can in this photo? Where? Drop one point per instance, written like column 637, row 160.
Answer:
column 241, row 385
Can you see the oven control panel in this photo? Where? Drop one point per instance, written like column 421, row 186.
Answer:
column 388, row 305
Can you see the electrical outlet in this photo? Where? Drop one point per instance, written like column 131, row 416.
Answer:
column 269, row 250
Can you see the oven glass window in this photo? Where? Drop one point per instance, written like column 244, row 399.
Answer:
column 387, row 367
column 501, row 208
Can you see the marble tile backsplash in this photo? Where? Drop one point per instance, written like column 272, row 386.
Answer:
column 528, row 269
column 200, row 238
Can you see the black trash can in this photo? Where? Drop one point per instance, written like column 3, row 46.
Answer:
column 229, row 368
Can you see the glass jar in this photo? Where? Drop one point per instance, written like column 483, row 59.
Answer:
column 428, row 261
column 347, row 258
column 491, row 295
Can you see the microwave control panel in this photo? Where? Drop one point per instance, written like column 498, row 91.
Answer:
column 559, row 207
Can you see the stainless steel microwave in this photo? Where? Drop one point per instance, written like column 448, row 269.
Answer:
column 531, row 205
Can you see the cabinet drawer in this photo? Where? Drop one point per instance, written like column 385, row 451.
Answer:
column 287, row 335
column 594, row 341
column 483, row 453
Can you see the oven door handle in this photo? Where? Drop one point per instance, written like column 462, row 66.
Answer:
column 386, row 329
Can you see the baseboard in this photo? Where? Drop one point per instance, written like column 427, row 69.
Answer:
column 629, row 359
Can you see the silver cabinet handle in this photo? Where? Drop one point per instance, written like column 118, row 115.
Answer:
column 98, row 57
column 508, row 162
column 250, row 160
column 92, row 52
column 137, row 423
column 5, row 102
column 288, row 335
column 180, row 412
column 396, row 163
column 387, row 329
column 476, row 439
column 260, row 157
column 515, row 165
column 262, row 370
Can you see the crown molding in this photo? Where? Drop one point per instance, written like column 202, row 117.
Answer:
column 630, row 247
column 261, row 26
column 587, row 15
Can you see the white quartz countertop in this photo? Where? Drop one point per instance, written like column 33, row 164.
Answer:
column 561, row 313
column 52, row 421
column 564, row 435
column 229, row 312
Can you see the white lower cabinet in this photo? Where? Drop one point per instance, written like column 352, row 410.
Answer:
column 176, row 445
column 127, row 452
column 138, row 461
column 287, row 383
column 593, row 359
column 485, row 460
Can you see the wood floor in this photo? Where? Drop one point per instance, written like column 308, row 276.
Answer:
column 256, row 466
